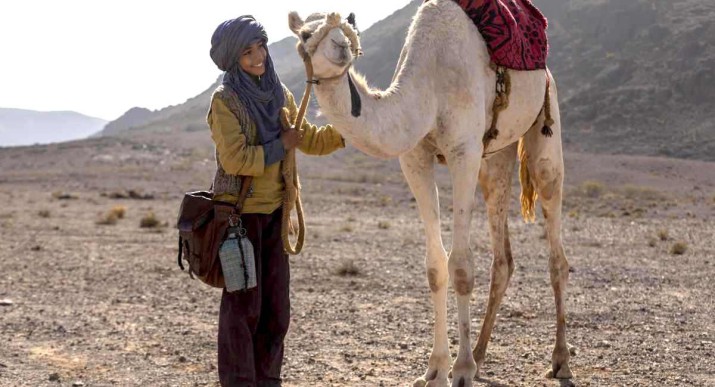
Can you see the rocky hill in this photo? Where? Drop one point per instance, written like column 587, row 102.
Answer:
column 635, row 77
column 27, row 127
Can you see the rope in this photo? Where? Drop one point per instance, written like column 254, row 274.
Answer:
column 289, row 170
column 501, row 102
column 548, row 121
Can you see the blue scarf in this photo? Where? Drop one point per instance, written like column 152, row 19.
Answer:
column 263, row 98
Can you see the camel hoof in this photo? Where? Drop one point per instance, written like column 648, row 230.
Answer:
column 559, row 372
column 421, row 382
column 431, row 379
column 462, row 382
column 564, row 372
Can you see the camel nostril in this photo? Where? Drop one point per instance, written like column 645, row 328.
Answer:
column 340, row 45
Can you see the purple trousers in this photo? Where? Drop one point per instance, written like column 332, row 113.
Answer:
column 253, row 323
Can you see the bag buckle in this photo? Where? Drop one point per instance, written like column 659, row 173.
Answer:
column 234, row 221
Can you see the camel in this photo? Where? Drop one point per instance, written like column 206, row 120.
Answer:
column 440, row 104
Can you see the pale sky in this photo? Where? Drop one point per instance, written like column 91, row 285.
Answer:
column 103, row 57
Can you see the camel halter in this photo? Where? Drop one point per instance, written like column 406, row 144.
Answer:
column 289, row 171
column 355, row 101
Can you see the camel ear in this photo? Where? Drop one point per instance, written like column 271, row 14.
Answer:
column 295, row 22
column 351, row 20
column 333, row 19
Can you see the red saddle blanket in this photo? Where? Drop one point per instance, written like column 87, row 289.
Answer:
column 514, row 30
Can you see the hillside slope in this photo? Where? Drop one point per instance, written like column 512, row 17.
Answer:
column 635, row 77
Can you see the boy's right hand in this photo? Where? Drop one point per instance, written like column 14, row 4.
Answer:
column 291, row 138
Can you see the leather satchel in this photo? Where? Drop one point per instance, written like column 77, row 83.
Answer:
column 202, row 225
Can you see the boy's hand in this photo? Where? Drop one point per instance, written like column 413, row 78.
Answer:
column 291, row 138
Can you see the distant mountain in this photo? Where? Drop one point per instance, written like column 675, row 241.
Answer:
column 634, row 77
column 191, row 115
column 27, row 127
column 132, row 118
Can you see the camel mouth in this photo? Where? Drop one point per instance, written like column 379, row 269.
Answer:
column 340, row 62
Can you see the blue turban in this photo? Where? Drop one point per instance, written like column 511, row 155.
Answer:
column 262, row 98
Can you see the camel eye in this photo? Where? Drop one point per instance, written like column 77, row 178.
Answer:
column 306, row 35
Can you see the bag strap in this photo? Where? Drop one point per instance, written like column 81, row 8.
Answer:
column 181, row 248
column 243, row 193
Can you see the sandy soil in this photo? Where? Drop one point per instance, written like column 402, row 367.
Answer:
column 95, row 305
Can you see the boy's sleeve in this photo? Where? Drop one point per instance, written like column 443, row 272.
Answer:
column 316, row 140
column 234, row 153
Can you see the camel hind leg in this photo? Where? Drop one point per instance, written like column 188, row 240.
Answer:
column 545, row 173
column 418, row 167
column 495, row 180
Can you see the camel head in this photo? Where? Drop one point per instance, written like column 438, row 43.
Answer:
column 331, row 42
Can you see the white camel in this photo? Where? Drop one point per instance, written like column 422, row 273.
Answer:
column 440, row 104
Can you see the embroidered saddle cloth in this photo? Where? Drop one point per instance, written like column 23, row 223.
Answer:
column 514, row 30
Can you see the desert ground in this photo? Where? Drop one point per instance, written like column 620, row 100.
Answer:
column 88, row 297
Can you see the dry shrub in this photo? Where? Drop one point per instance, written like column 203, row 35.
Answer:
column 149, row 221
column 347, row 228
column 385, row 200
column 663, row 234
column 109, row 219
column 652, row 242
column 592, row 188
column 59, row 195
column 43, row 213
column 679, row 248
column 348, row 269
column 116, row 195
column 119, row 211
column 641, row 193
column 372, row 178
column 383, row 225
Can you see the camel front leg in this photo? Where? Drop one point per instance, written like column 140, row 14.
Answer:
column 418, row 168
column 495, row 180
column 464, row 170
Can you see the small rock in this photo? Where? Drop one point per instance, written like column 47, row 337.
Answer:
column 6, row 302
column 54, row 377
column 182, row 359
column 78, row 384
column 572, row 350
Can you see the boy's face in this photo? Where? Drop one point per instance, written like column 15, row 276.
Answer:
column 253, row 59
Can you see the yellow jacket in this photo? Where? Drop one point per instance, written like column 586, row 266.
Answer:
column 239, row 153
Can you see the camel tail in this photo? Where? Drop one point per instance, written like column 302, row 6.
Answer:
column 528, row 193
